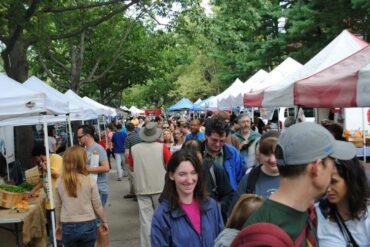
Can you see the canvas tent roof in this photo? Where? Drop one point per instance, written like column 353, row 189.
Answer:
column 182, row 104
column 123, row 108
column 54, row 99
column 135, row 110
column 237, row 100
column 287, row 67
column 232, row 90
column 102, row 109
column 335, row 77
column 197, row 101
column 17, row 100
column 87, row 113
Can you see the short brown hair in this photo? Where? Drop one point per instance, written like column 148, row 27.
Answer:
column 290, row 171
column 243, row 209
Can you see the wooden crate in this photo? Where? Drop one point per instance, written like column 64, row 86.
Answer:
column 33, row 175
column 9, row 199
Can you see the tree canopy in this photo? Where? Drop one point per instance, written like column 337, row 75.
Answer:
column 120, row 52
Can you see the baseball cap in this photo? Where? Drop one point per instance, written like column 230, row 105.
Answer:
column 305, row 142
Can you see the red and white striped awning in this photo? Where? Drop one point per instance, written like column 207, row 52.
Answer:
column 338, row 76
column 256, row 95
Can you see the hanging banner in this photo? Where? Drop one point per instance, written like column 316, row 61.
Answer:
column 7, row 143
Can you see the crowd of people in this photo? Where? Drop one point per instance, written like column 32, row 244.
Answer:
column 215, row 181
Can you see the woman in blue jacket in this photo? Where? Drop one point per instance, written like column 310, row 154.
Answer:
column 186, row 216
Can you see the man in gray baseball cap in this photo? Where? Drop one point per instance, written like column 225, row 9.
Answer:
column 305, row 155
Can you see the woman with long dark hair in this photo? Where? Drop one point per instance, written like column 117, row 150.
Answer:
column 186, row 216
column 343, row 217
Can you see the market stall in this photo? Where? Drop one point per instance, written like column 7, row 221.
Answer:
column 26, row 224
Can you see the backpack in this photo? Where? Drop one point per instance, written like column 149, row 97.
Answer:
column 252, row 179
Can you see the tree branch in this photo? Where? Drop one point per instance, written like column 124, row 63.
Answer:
column 92, row 73
column 91, row 78
column 63, row 66
column 81, row 57
column 48, row 72
column 92, row 23
column 18, row 30
column 78, row 7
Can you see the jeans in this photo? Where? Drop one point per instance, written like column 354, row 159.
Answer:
column 81, row 234
column 103, row 198
column 120, row 160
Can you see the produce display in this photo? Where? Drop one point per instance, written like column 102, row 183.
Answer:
column 15, row 197
column 357, row 137
column 21, row 206
column 22, row 188
column 13, row 189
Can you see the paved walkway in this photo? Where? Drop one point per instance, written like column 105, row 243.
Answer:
column 123, row 214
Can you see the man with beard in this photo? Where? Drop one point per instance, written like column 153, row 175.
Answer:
column 248, row 140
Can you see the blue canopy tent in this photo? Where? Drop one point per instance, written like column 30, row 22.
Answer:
column 183, row 104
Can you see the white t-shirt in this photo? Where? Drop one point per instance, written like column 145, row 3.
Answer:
column 52, row 142
column 329, row 233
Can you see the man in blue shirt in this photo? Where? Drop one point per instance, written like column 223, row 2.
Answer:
column 195, row 131
column 118, row 140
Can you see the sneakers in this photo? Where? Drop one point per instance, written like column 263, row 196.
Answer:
column 119, row 179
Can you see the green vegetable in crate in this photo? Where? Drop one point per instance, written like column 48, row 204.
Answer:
column 26, row 186
column 13, row 188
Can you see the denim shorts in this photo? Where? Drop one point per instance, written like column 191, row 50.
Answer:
column 81, row 234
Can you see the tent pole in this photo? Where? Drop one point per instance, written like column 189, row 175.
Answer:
column 49, row 187
column 363, row 132
column 105, row 129
column 70, row 129
column 99, row 129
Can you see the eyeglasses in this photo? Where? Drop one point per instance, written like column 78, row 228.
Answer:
column 79, row 137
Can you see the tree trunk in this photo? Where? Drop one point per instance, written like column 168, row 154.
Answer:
column 17, row 68
column 18, row 64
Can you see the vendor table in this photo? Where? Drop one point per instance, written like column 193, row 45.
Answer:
column 31, row 224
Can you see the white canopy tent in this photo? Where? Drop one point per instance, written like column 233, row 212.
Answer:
column 54, row 100
column 233, row 89
column 237, row 100
column 254, row 98
column 124, row 108
column 19, row 101
column 197, row 101
column 207, row 102
column 102, row 109
column 36, row 84
column 88, row 112
column 346, row 54
column 16, row 100
column 136, row 111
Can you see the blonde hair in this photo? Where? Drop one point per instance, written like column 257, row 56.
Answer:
column 74, row 164
column 243, row 209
